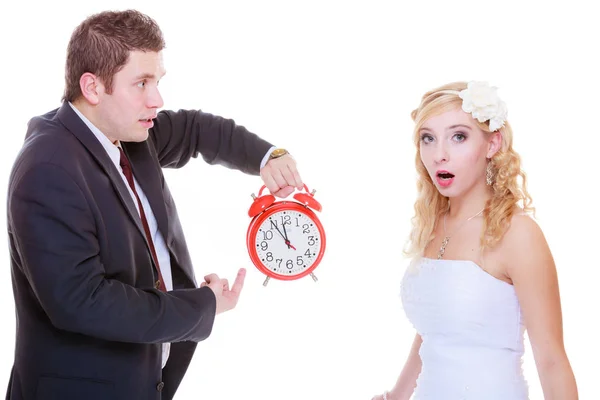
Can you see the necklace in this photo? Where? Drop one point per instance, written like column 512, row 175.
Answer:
column 447, row 237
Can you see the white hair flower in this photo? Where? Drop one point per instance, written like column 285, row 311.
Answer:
column 482, row 102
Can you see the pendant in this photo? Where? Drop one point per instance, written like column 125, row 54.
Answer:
column 443, row 248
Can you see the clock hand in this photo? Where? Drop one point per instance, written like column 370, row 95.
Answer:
column 284, row 237
column 287, row 241
column 285, row 232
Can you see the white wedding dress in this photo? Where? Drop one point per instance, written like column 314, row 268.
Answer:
column 472, row 331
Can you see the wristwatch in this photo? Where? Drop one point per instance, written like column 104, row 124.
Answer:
column 278, row 153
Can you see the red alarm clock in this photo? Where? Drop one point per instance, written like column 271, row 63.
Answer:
column 285, row 239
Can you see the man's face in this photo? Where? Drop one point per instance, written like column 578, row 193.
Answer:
column 126, row 113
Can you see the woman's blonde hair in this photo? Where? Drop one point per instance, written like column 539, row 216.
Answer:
column 508, row 192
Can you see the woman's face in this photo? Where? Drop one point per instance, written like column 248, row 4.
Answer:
column 454, row 151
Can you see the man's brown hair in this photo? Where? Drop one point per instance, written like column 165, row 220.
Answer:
column 101, row 45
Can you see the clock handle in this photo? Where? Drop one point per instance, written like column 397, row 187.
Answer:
column 305, row 188
column 306, row 199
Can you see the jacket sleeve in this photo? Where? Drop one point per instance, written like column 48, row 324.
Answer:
column 54, row 232
column 180, row 135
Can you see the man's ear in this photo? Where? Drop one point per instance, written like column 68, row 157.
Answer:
column 495, row 143
column 91, row 88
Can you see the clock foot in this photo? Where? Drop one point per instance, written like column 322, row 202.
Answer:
column 266, row 281
column 314, row 277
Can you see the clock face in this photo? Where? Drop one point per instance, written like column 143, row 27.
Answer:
column 288, row 242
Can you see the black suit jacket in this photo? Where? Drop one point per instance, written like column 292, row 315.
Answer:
column 89, row 321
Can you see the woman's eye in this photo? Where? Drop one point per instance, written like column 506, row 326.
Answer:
column 426, row 138
column 459, row 137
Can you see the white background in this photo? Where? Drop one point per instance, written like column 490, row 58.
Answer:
column 335, row 84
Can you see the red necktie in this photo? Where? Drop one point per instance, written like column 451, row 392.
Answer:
column 126, row 166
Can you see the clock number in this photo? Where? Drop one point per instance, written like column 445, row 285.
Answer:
column 286, row 220
column 264, row 246
column 269, row 256
column 305, row 228
column 278, row 261
column 297, row 223
column 273, row 225
column 307, row 253
column 299, row 260
column 289, row 264
column 267, row 235
column 311, row 240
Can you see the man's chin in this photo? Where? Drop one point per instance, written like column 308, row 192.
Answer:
column 140, row 136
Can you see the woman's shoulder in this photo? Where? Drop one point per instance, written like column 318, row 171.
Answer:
column 522, row 225
column 523, row 239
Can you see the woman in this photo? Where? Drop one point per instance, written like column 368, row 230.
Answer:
column 482, row 271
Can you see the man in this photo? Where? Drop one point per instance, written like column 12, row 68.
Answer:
column 106, row 299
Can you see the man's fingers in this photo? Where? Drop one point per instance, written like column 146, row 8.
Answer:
column 279, row 178
column 285, row 192
column 225, row 284
column 288, row 176
column 269, row 181
column 238, row 285
column 211, row 278
column 297, row 182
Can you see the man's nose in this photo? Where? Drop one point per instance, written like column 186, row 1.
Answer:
column 155, row 100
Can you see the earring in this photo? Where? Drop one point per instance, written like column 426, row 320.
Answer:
column 489, row 174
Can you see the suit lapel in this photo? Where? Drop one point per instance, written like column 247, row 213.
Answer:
column 78, row 128
column 147, row 173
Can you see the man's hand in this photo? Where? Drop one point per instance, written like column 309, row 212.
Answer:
column 226, row 299
column 281, row 176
